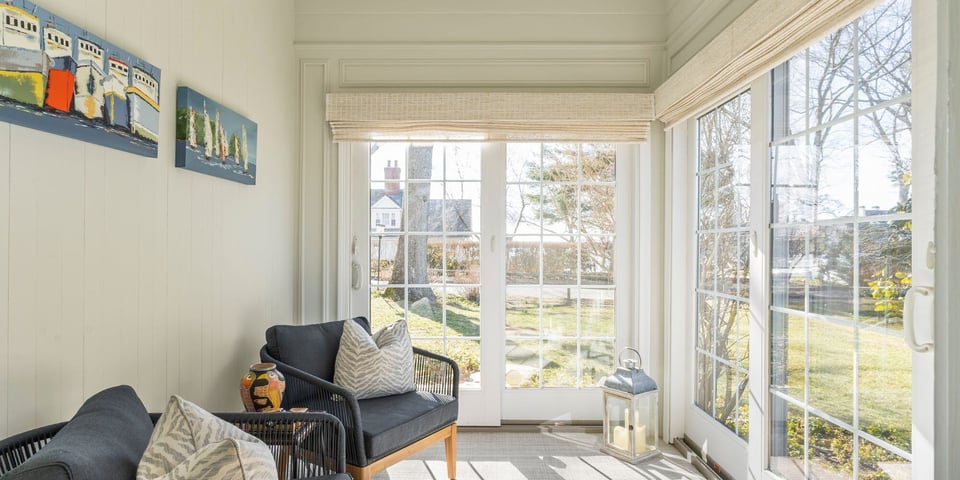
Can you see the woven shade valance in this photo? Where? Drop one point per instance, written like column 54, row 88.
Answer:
column 765, row 35
column 574, row 117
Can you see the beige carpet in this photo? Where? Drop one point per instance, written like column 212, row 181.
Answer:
column 560, row 453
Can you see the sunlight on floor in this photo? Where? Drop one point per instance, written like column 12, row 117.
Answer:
column 599, row 467
column 548, row 455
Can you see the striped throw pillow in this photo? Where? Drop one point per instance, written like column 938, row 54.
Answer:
column 191, row 443
column 375, row 366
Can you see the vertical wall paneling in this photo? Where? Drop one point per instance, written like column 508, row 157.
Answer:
column 24, row 276
column 121, row 269
column 318, row 253
column 96, row 337
column 5, row 394
column 59, row 267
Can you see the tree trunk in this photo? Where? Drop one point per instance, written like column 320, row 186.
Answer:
column 417, row 209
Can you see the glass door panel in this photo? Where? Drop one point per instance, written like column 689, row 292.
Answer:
column 721, row 360
column 840, row 386
column 425, row 247
column 560, row 286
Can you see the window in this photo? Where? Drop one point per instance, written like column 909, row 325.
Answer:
column 840, row 381
column 723, row 244
column 560, row 285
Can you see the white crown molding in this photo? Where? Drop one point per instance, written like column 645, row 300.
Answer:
column 702, row 15
column 496, row 7
column 494, row 73
column 308, row 46
column 617, row 66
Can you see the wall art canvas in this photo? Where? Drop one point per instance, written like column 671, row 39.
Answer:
column 59, row 78
column 215, row 140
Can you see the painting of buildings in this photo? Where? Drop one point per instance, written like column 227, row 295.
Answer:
column 59, row 78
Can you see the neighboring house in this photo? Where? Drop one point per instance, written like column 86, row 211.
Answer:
column 385, row 211
column 386, row 208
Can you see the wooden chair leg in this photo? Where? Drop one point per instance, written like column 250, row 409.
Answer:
column 451, row 447
column 359, row 473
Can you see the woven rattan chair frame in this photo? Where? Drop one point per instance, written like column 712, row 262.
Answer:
column 304, row 445
column 433, row 373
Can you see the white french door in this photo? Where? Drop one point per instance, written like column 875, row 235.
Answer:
column 566, row 228
column 813, row 213
column 500, row 256
column 719, row 372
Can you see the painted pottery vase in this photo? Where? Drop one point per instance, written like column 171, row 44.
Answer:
column 261, row 388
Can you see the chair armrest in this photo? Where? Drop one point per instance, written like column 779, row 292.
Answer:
column 435, row 373
column 304, row 445
column 19, row 448
column 319, row 395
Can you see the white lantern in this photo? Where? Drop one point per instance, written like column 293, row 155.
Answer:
column 631, row 411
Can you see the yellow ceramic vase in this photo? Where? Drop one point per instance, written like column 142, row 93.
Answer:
column 261, row 388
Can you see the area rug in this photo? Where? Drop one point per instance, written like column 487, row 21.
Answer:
column 552, row 453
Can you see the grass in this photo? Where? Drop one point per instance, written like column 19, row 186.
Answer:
column 559, row 351
column 884, row 361
column 884, row 377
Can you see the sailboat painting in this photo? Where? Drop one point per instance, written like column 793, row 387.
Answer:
column 59, row 78
column 215, row 140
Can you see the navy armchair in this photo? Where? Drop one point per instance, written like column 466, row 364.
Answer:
column 379, row 431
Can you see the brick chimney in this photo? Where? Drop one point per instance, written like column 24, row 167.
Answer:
column 392, row 173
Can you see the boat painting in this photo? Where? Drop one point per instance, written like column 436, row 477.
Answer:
column 60, row 78
column 214, row 140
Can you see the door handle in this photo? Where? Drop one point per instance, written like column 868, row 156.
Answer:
column 909, row 335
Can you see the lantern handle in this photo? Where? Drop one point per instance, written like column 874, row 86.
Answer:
column 634, row 350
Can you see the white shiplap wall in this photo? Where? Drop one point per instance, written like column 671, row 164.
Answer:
column 116, row 268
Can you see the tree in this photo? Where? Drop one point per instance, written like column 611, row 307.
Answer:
column 573, row 211
column 864, row 66
column 414, row 256
column 724, row 258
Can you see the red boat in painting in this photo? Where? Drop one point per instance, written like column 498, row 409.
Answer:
column 63, row 69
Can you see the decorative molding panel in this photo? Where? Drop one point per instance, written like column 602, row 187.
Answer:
column 494, row 73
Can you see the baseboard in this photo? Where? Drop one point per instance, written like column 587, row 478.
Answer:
column 708, row 468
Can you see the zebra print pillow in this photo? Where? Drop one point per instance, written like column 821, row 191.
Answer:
column 190, row 443
column 375, row 366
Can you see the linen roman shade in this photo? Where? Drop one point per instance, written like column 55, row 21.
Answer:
column 765, row 35
column 515, row 117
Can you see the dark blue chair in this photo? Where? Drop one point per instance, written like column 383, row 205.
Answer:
column 380, row 431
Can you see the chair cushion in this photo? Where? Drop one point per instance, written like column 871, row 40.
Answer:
column 311, row 348
column 189, row 442
column 393, row 422
column 378, row 365
column 108, row 434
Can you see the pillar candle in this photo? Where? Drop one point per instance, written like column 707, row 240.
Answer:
column 621, row 439
column 640, row 438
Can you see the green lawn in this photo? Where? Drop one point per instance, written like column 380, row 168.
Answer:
column 523, row 322
column 884, row 376
column 884, row 361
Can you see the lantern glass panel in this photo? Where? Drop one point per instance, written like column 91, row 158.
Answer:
column 615, row 429
column 645, row 422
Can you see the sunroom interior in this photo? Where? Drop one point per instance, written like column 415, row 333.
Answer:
column 756, row 198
